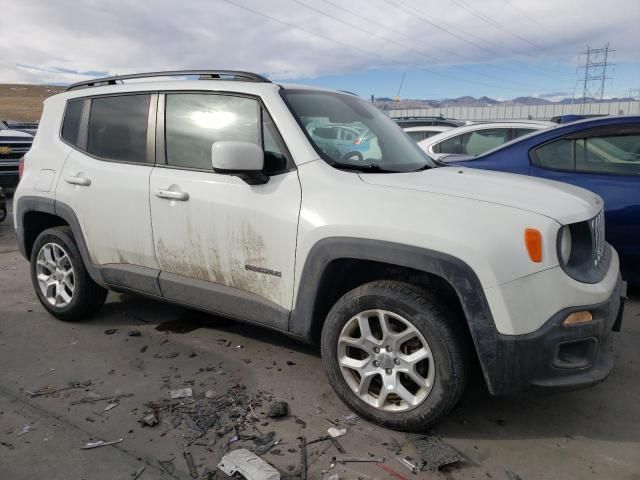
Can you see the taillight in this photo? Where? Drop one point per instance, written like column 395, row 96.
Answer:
column 20, row 167
column 357, row 141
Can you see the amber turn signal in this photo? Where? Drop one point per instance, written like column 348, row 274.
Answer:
column 533, row 241
column 578, row 317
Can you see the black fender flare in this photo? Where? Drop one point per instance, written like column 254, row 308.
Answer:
column 457, row 273
column 65, row 212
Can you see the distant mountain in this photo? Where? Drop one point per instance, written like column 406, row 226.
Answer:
column 467, row 101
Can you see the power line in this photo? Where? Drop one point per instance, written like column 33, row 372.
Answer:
column 386, row 39
column 492, row 22
column 417, row 14
column 415, row 39
column 527, row 16
column 368, row 52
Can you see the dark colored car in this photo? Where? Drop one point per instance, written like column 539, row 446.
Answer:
column 599, row 154
column 406, row 122
column 3, row 206
column 13, row 145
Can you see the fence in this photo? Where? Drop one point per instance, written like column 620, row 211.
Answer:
column 521, row 112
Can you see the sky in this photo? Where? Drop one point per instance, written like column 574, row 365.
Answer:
column 442, row 48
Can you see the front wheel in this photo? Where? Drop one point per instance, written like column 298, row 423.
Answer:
column 60, row 278
column 394, row 354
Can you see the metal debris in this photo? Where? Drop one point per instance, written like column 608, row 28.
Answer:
column 111, row 406
column 337, row 432
column 303, row 458
column 98, row 398
column 101, row 443
column 181, row 393
column 405, row 462
column 349, row 459
column 248, row 464
column 49, row 390
column 278, row 409
column 26, row 429
column 433, row 452
column 193, row 471
column 135, row 475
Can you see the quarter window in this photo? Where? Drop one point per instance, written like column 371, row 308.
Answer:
column 71, row 124
column 451, row 145
column 557, row 155
column 118, row 128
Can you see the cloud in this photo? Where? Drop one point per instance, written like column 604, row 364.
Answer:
column 68, row 40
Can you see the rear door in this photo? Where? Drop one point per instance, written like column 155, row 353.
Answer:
column 222, row 244
column 607, row 162
column 105, row 180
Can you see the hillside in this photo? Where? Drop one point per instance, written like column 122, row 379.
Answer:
column 24, row 102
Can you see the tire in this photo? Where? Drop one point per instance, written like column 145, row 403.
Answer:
column 400, row 305
column 3, row 214
column 86, row 298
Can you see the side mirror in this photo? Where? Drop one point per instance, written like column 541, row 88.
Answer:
column 241, row 159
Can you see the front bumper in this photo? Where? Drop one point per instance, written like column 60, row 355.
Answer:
column 559, row 357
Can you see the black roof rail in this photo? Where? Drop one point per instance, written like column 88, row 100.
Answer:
column 202, row 75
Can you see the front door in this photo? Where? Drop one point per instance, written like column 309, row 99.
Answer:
column 222, row 244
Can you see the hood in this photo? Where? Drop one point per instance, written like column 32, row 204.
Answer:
column 14, row 134
column 561, row 202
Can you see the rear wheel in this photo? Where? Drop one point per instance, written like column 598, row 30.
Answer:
column 60, row 278
column 394, row 354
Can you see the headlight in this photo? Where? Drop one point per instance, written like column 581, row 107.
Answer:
column 565, row 244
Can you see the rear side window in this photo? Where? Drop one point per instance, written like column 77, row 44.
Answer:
column 71, row 123
column 476, row 143
column 609, row 154
column 118, row 128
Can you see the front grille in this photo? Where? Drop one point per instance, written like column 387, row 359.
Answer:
column 596, row 225
column 13, row 149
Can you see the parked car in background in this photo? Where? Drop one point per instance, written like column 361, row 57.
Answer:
column 600, row 154
column 26, row 127
column 343, row 141
column 420, row 133
column 3, row 205
column 478, row 138
column 13, row 145
column 406, row 122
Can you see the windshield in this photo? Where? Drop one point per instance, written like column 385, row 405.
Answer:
column 351, row 133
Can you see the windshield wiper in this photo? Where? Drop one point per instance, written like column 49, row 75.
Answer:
column 365, row 167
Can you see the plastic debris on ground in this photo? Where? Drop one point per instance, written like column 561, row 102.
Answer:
column 181, row 393
column 101, row 443
column 247, row 464
column 337, row 432
column 434, row 453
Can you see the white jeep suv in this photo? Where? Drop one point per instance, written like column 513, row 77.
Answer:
column 212, row 193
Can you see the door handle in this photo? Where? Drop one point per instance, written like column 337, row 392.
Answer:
column 171, row 195
column 82, row 181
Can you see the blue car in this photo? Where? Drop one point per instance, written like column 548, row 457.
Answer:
column 599, row 154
